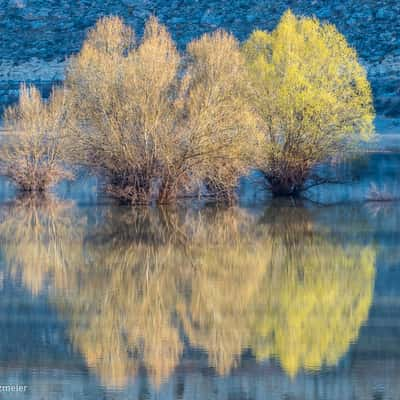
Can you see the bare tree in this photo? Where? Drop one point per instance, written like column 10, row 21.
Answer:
column 33, row 147
column 154, row 124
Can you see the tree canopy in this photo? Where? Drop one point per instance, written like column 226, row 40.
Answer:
column 311, row 95
column 156, row 124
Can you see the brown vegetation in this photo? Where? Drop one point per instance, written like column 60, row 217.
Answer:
column 156, row 125
column 32, row 149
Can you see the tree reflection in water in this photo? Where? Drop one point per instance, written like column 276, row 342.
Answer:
column 133, row 283
column 39, row 240
column 314, row 298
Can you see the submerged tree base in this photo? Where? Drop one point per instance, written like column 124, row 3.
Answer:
column 131, row 196
column 285, row 187
column 37, row 179
column 294, row 187
column 284, row 191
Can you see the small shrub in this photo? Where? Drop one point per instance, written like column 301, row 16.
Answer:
column 32, row 150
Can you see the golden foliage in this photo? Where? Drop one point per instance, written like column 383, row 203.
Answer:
column 219, row 121
column 32, row 152
column 156, row 126
column 312, row 97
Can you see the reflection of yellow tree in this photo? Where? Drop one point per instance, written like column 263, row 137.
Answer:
column 142, row 280
column 284, row 290
column 314, row 299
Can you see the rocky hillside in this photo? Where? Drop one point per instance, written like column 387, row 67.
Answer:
column 36, row 36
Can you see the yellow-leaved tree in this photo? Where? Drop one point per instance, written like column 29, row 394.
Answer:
column 312, row 97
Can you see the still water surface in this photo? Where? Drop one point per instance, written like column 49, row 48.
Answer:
column 279, row 300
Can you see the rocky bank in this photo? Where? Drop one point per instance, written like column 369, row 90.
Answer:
column 37, row 36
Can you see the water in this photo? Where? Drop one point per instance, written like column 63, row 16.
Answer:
column 264, row 300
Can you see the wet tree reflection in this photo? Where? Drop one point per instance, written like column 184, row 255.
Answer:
column 41, row 239
column 315, row 297
column 137, row 286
